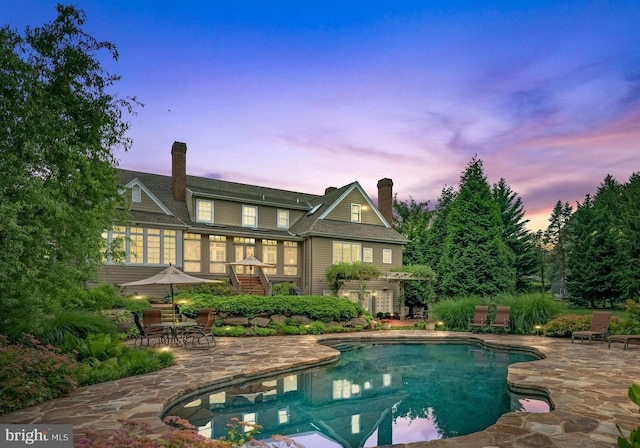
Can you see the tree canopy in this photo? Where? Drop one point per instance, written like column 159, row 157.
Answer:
column 58, row 182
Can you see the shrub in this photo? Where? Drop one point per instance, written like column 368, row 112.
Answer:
column 282, row 289
column 31, row 373
column 529, row 310
column 455, row 313
column 77, row 322
column 321, row 308
column 129, row 362
column 566, row 324
column 227, row 330
column 634, row 437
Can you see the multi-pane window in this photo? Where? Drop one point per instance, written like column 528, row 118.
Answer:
column 344, row 252
column 387, row 256
column 217, row 254
column 136, row 245
column 249, row 216
column 141, row 245
column 136, row 194
column 270, row 255
column 283, row 219
column 204, row 211
column 356, row 213
column 290, row 258
column 367, row 254
column 192, row 253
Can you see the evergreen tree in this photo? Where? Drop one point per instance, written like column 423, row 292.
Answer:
column 475, row 259
column 437, row 233
column 58, row 183
column 516, row 235
column 629, row 221
column 557, row 237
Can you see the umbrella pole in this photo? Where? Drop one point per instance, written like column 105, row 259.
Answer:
column 173, row 307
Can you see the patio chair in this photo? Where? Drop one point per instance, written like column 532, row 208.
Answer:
column 501, row 321
column 599, row 327
column 147, row 334
column 479, row 321
column 418, row 313
column 199, row 335
column 203, row 316
column 151, row 316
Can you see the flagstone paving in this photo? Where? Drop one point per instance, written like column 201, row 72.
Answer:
column 587, row 384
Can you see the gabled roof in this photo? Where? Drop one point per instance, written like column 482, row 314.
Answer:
column 313, row 223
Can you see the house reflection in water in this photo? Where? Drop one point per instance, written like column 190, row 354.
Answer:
column 359, row 398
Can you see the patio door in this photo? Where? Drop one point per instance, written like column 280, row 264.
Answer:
column 243, row 251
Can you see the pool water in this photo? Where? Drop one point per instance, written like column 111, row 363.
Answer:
column 376, row 394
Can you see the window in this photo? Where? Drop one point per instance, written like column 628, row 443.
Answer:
column 387, row 256
column 141, row 245
column 217, row 254
column 270, row 255
column 204, row 211
column 283, row 219
column 367, row 254
column 249, row 216
column 290, row 258
column 346, row 252
column 192, row 253
column 355, row 213
column 136, row 194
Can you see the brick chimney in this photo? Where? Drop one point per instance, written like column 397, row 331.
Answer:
column 385, row 199
column 179, row 170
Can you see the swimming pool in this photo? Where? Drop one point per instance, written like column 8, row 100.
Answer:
column 375, row 394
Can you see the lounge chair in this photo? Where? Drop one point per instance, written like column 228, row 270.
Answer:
column 147, row 334
column 501, row 321
column 479, row 321
column 599, row 327
column 624, row 338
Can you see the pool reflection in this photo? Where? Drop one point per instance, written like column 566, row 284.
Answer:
column 374, row 395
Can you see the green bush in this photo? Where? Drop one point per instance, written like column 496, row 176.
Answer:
column 529, row 310
column 227, row 330
column 321, row 308
column 129, row 362
column 566, row 324
column 31, row 373
column 455, row 313
column 77, row 322
column 634, row 437
column 282, row 289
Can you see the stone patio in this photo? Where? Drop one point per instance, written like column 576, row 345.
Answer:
column 587, row 384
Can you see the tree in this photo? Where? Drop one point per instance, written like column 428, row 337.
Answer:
column 475, row 258
column 542, row 255
column 411, row 219
column 629, row 225
column 437, row 234
column 515, row 233
column 58, row 183
column 557, row 237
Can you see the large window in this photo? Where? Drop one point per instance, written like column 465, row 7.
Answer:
column 387, row 256
column 141, row 245
column 192, row 253
column 204, row 211
column 344, row 252
column 270, row 255
column 356, row 215
column 249, row 216
column 290, row 258
column 283, row 219
column 217, row 254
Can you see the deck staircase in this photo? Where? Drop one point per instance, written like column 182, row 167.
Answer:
column 250, row 284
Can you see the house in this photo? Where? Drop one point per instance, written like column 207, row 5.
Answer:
column 200, row 225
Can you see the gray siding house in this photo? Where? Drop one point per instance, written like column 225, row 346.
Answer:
column 200, row 225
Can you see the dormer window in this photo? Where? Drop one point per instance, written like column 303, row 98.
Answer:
column 136, row 194
column 204, row 211
column 356, row 213
column 283, row 219
column 249, row 216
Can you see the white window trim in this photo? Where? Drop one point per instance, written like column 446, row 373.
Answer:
column 359, row 206
column 208, row 201
column 384, row 256
column 136, row 194
column 286, row 225
column 364, row 251
column 244, row 223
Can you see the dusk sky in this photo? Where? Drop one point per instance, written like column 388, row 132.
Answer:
column 302, row 95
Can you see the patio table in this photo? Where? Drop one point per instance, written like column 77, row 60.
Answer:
column 174, row 329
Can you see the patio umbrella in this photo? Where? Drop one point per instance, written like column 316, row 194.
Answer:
column 251, row 262
column 170, row 276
